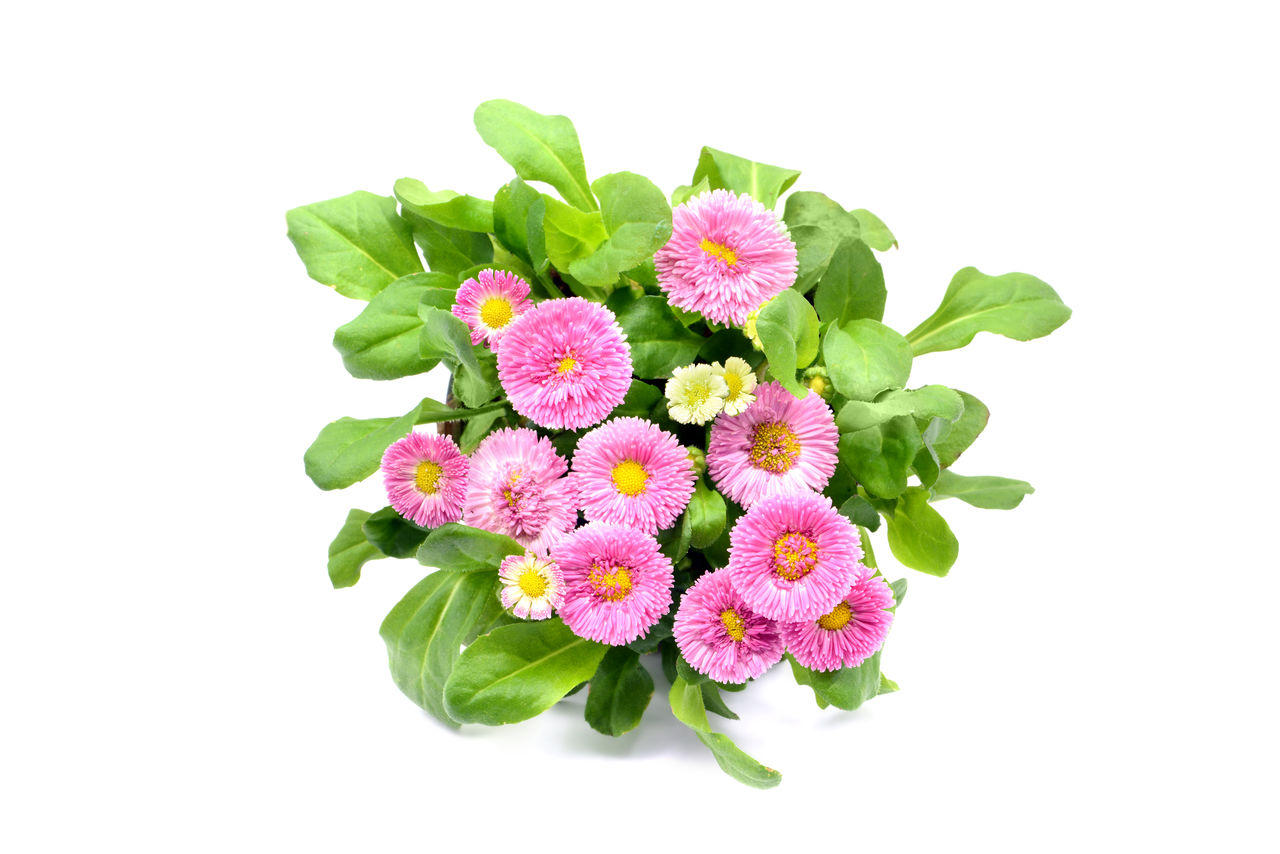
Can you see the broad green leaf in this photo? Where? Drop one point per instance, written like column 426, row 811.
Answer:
column 706, row 515
column 640, row 400
column 760, row 181
column 425, row 629
column 350, row 551
column 355, row 244
column 446, row 338
column 874, row 232
column 659, row 341
column 818, row 225
column 686, row 704
column 570, row 234
column 675, row 541
column 814, row 248
column 348, row 450
column 619, row 693
column 868, row 553
column 880, row 457
column 961, row 433
column 1015, row 305
column 461, row 548
column 887, row 685
column 686, row 192
column 852, row 286
column 449, row 250
column 847, row 688
column 382, row 342
column 689, row 708
column 518, row 211
column 788, row 328
column 685, row 671
column 637, row 218
column 926, row 402
column 989, row 493
column 538, row 147
column 899, row 588
column 476, row 429
column 864, row 358
column 519, row 671
column 918, row 535
column 925, row 464
column 392, row 534
column 445, row 207
column 714, row 703
column 859, row 511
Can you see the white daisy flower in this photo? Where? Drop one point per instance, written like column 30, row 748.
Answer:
column 740, row 380
column 695, row 394
column 532, row 586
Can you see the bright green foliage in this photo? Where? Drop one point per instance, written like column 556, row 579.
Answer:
column 659, row 342
column 990, row 493
column 637, row 219
column 446, row 338
column 852, row 285
column 538, row 147
column 931, row 401
column 392, row 534
column 705, row 515
column 460, row 548
column 918, row 535
column 788, row 329
column 350, row 551
column 846, row 688
column 686, row 192
column 760, row 181
column 880, row 457
column 449, row 250
column 619, row 692
column 425, row 629
column 445, row 207
column 864, row 358
column 354, row 244
column 961, row 433
column 571, row 234
column 874, row 232
column 519, row 671
column 1015, row 305
column 690, row 709
column 382, row 342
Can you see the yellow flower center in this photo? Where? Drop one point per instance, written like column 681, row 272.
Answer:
column 733, row 625
column 774, row 447
column 427, row 477
column 495, row 312
column 718, row 250
column 837, row 619
column 734, row 382
column 629, row 477
column 532, row 584
column 567, row 364
column 794, row 555
column 610, row 582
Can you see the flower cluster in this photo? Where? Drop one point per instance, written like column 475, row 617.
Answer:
column 698, row 393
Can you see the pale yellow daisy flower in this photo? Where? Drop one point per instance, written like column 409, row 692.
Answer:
column 695, row 394
column 740, row 380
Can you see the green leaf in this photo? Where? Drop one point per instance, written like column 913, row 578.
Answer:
column 760, row 181
column 874, row 232
column 726, row 343
column 852, row 286
column 688, row 706
column 818, row 225
column 847, row 688
column 706, row 515
column 685, row 671
column 476, row 429
column 637, row 218
column 519, row 671
column 450, row 209
column 868, row 553
column 425, row 629
column 392, row 534
column 918, row 535
column 461, row 548
column 518, row 211
column 382, row 342
column 349, row 450
column 640, row 400
column 899, row 588
column 788, row 329
column 538, row 147
column 659, row 341
column 859, row 511
column 570, row 234
column 1015, row 305
column 619, row 693
column 879, row 457
column 961, row 434
column 685, row 192
column 350, row 551
column 449, row 250
column 714, row 703
column 989, row 493
column 887, row 685
column 675, row 540
column 926, row 402
column 446, row 338
column 355, row 244
column 864, row 358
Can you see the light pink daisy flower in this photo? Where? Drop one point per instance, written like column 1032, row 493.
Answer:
column 426, row 478
column 516, row 488
column 848, row 634
column 489, row 302
column 792, row 557
column 720, row 636
column 617, row 582
column 568, row 365
column 632, row 472
column 532, row 586
column 779, row 445
column 727, row 255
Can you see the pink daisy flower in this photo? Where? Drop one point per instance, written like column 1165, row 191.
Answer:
column 568, row 365
column 532, row 586
column 634, row 473
column 489, row 303
column 617, row 582
column 516, row 488
column 779, row 445
column 792, row 557
column 720, row 636
column 848, row 634
column 426, row 478
column 727, row 255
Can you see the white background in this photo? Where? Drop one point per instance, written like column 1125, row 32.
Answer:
column 1097, row 672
